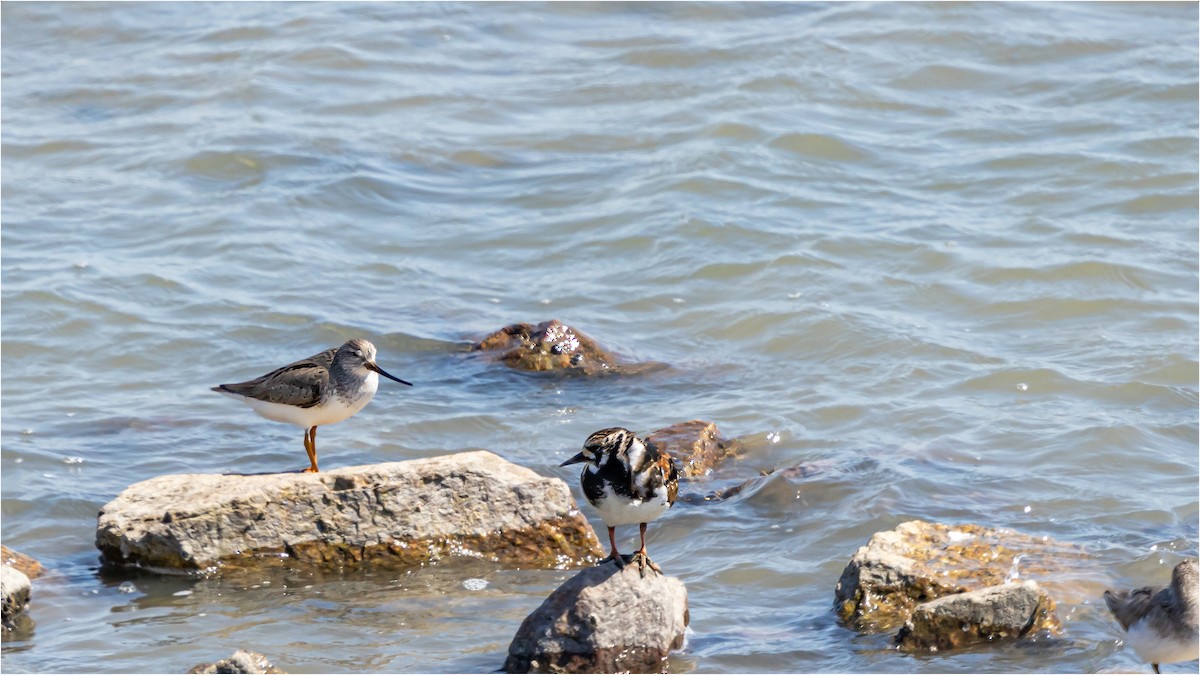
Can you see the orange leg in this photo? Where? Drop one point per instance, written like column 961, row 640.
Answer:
column 642, row 557
column 310, row 446
column 613, row 555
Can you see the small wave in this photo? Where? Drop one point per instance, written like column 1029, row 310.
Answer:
column 1159, row 203
column 242, row 169
column 1093, row 274
column 948, row 77
column 820, row 146
column 733, row 130
column 329, row 56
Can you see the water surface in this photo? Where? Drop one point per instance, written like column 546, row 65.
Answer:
column 946, row 252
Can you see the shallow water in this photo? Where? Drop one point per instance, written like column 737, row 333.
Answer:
column 946, row 252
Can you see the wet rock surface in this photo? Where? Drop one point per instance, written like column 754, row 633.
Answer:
column 1008, row 611
column 697, row 447
column 15, row 589
column 603, row 620
column 795, row 473
column 555, row 346
column 21, row 562
column 241, row 661
column 472, row 504
column 919, row 561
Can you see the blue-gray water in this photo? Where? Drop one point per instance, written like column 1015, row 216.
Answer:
column 946, row 251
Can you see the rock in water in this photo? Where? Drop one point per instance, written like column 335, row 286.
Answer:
column 242, row 661
column 603, row 620
column 21, row 562
column 555, row 346
column 1013, row 610
column 551, row 345
column 14, row 594
column 405, row 513
column 697, row 447
column 919, row 561
column 796, row 472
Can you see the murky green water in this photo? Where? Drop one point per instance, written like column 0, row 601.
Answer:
column 946, row 251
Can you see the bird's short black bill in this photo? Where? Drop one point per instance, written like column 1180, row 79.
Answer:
column 381, row 371
column 575, row 460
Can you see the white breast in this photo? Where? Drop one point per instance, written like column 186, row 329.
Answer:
column 333, row 409
column 616, row 510
column 1154, row 647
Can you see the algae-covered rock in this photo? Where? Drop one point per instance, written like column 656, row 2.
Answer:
column 21, row 562
column 402, row 513
column 919, row 561
column 697, row 447
column 1007, row 611
column 241, row 662
column 555, row 346
column 603, row 620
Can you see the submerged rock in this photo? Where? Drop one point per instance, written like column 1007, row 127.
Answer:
column 14, row 594
column 554, row 346
column 242, row 661
column 404, row 513
column 21, row 562
column 603, row 620
column 797, row 472
column 1013, row 610
column 696, row 447
column 919, row 561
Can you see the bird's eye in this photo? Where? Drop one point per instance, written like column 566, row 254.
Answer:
column 358, row 353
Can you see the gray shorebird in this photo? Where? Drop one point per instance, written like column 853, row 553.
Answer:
column 1161, row 623
column 322, row 389
column 627, row 481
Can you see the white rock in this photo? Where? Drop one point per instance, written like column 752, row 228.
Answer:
column 15, row 589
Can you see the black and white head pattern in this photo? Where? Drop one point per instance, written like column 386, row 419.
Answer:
column 630, row 467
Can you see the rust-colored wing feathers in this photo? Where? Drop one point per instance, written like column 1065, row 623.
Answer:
column 665, row 468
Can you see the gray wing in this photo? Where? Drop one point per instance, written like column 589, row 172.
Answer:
column 299, row 384
column 1129, row 606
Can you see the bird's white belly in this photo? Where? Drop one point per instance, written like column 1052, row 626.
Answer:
column 1154, row 647
column 334, row 409
column 616, row 510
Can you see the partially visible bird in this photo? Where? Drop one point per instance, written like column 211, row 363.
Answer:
column 628, row 481
column 322, row 389
column 1161, row 623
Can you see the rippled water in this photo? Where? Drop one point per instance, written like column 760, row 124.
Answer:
column 945, row 252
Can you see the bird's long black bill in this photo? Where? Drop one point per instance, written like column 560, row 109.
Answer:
column 381, row 371
column 575, row 460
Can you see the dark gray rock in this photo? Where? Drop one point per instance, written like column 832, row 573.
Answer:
column 472, row 504
column 1007, row 611
column 242, row 662
column 601, row 621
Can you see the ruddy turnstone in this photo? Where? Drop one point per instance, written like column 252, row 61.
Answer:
column 1161, row 623
column 628, row 481
column 322, row 389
